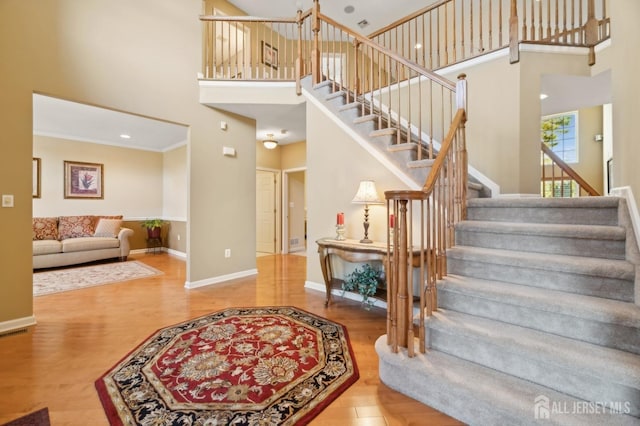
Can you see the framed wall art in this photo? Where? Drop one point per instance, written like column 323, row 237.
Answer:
column 269, row 55
column 35, row 179
column 83, row 180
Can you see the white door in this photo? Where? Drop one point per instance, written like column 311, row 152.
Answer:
column 265, row 211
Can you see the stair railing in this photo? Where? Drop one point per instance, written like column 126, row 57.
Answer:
column 417, row 108
column 256, row 48
column 452, row 31
column 559, row 179
column 433, row 211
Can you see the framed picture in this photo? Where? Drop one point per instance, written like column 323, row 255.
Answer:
column 269, row 55
column 35, row 179
column 83, row 180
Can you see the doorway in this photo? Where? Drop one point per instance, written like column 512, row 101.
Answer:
column 294, row 211
column 266, row 211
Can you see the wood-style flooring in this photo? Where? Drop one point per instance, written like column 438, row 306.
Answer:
column 80, row 334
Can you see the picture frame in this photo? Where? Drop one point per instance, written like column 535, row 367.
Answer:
column 35, row 179
column 269, row 55
column 83, row 180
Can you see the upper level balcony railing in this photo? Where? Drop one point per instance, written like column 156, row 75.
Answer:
column 452, row 31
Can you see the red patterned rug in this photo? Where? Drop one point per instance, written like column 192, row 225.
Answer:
column 240, row 366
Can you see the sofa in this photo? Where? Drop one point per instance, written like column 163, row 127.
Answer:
column 69, row 240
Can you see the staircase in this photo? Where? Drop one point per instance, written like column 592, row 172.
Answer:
column 373, row 132
column 536, row 320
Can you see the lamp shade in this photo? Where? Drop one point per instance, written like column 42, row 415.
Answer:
column 367, row 193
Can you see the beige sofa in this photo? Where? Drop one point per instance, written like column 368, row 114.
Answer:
column 68, row 240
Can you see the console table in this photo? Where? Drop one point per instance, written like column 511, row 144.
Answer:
column 351, row 251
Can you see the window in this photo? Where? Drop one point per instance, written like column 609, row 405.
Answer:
column 560, row 133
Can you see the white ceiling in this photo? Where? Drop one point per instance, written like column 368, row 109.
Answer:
column 75, row 121
column 60, row 118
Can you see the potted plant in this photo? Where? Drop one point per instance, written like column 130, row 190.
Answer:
column 365, row 281
column 153, row 227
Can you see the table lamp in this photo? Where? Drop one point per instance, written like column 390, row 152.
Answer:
column 367, row 194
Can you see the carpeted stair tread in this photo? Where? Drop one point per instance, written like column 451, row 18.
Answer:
column 547, row 202
column 572, row 356
column 570, row 304
column 554, row 230
column 613, row 268
column 475, row 394
column 583, row 210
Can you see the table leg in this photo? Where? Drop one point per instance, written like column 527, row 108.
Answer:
column 326, row 273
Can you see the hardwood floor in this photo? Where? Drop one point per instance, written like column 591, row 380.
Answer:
column 82, row 333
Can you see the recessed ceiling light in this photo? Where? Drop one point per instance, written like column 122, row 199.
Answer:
column 363, row 23
column 125, row 136
column 543, row 96
column 349, row 9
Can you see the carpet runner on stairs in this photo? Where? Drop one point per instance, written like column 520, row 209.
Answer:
column 538, row 321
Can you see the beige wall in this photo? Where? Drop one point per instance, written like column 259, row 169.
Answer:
column 268, row 158
column 174, row 184
column 132, row 179
column 625, row 89
column 294, row 155
column 138, row 57
column 494, row 121
column 335, row 166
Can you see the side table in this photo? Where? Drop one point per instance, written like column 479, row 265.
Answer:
column 154, row 245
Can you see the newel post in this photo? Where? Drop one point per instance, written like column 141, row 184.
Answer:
column 591, row 30
column 461, row 92
column 514, row 39
column 315, row 50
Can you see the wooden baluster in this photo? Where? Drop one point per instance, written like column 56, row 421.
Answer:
column 298, row 65
column 533, row 25
column 454, row 35
column 524, row 21
column 514, row 48
column 500, row 37
column 490, row 25
column 540, row 27
column 446, row 35
column 549, row 19
column 471, row 47
column 315, row 51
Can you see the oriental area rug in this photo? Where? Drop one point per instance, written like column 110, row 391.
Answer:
column 58, row 280
column 239, row 366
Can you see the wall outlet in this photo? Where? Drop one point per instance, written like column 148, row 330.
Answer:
column 178, row 236
column 227, row 253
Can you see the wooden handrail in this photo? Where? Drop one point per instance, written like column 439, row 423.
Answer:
column 568, row 170
column 459, row 118
column 408, row 18
column 391, row 54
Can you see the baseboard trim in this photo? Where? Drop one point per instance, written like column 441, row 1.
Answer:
column 220, row 279
column 8, row 327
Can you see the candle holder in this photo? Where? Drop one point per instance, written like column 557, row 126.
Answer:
column 340, row 233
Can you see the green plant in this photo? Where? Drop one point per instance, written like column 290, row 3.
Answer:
column 152, row 223
column 365, row 281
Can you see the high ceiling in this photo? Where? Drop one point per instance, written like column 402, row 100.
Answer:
column 55, row 117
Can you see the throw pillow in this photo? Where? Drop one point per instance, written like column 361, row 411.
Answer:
column 45, row 228
column 75, row 226
column 108, row 228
